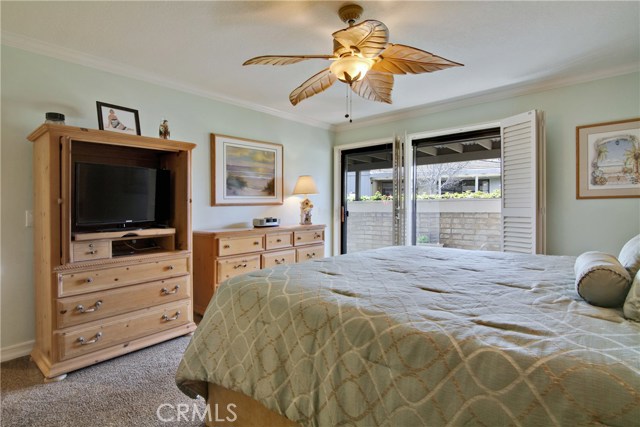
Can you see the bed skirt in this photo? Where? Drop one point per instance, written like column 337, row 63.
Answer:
column 232, row 409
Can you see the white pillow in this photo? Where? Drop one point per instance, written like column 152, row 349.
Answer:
column 632, row 303
column 630, row 255
column 601, row 279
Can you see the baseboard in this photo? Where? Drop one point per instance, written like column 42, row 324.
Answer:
column 17, row 350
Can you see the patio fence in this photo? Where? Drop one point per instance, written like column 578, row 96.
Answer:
column 456, row 223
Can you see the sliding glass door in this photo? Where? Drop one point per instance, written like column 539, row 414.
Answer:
column 456, row 190
column 370, row 199
column 480, row 188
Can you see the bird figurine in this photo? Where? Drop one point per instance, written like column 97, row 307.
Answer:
column 164, row 130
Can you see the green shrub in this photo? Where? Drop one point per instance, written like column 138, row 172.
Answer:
column 376, row 197
column 496, row 194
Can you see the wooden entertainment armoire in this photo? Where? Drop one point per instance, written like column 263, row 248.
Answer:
column 94, row 302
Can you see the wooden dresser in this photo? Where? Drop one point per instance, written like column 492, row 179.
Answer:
column 94, row 301
column 221, row 254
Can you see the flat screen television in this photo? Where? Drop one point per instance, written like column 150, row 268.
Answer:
column 115, row 197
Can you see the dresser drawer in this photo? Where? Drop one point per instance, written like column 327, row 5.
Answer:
column 122, row 329
column 279, row 240
column 278, row 258
column 86, row 251
column 240, row 245
column 84, row 308
column 232, row 267
column 307, row 254
column 107, row 278
column 308, row 236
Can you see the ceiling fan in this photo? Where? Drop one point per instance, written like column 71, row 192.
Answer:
column 363, row 58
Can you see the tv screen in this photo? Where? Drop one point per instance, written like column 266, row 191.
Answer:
column 119, row 196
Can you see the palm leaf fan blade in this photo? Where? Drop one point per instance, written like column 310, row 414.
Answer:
column 370, row 38
column 401, row 59
column 313, row 86
column 283, row 59
column 375, row 87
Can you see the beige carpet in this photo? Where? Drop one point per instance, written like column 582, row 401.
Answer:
column 126, row 391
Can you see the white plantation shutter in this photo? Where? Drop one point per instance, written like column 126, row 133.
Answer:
column 523, row 183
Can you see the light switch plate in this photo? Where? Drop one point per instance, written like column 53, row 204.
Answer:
column 28, row 218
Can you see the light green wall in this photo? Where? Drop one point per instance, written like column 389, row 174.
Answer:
column 34, row 84
column 573, row 226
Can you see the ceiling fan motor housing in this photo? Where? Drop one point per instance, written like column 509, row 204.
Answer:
column 350, row 13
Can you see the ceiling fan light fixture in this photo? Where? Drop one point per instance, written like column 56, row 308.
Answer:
column 362, row 58
column 352, row 68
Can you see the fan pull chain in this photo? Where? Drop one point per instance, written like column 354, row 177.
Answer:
column 348, row 105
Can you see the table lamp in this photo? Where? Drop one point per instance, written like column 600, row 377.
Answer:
column 305, row 185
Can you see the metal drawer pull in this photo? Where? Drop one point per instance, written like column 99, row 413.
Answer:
column 95, row 306
column 226, row 247
column 279, row 240
column 256, row 243
column 280, row 261
column 166, row 318
column 240, row 265
column 82, row 341
column 317, row 236
column 299, row 238
column 311, row 255
column 166, row 291
column 91, row 245
column 89, row 280
column 171, row 267
column 93, row 252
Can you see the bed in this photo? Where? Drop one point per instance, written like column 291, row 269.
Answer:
column 414, row 336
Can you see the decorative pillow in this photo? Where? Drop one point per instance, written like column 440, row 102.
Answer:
column 632, row 303
column 601, row 279
column 630, row 255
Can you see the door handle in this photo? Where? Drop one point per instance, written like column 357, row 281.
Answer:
column 343, row 214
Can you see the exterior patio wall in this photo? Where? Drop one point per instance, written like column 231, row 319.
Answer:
column 465, row 224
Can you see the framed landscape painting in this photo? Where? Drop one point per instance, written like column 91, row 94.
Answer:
column 245, row 172
column 608, row 160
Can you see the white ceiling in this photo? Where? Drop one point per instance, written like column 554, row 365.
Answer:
column 200, row 46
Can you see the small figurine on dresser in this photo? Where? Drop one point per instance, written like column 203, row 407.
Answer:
column 305, row 212
column 164, row 130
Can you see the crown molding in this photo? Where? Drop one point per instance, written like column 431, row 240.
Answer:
column 491, row 95
column 54, row 51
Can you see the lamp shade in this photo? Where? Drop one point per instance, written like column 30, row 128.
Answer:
column 305, row 185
